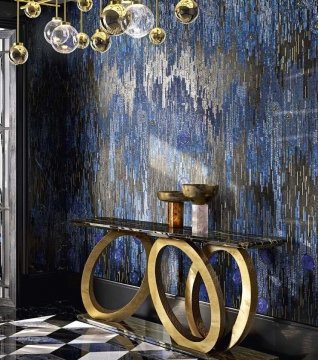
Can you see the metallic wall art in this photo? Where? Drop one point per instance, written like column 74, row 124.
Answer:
column 230, row 100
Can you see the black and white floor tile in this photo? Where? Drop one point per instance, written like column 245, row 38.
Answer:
column 53, row 338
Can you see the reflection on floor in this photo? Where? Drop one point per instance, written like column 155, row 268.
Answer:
column 54, row 337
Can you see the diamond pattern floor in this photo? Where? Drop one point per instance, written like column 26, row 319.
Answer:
column 53, row 338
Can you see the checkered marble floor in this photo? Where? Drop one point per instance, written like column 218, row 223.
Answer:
column 52, row 338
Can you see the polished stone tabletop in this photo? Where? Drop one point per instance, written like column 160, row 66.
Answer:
column 158, row 230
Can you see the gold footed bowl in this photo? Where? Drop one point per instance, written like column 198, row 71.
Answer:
column 172, row 196
column 199, row 194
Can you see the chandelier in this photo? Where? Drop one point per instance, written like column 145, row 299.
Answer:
column 119, row 17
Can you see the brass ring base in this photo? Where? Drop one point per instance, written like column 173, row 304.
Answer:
column 93, row 308
column 174, row 328
column 198, row 338
column 248, row 305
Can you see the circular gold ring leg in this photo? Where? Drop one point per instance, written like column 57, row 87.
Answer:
column 172, row 325
column 248, row 303
column 93, row 308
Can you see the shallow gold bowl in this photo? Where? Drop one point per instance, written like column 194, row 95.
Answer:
column 199, row 194
column 171, row 196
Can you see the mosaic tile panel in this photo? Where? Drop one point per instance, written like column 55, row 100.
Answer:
column 230, row 99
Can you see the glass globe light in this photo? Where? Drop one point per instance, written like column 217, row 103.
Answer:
column 112, row 17
column 186, row 11
column 101, row 41
column 84, row 5
column 64, row 38
column 50, row 26
column 18, row 54
column 314, row 25
column 61, row 35
column 139, row 21
column 83, row 40
column 32, row 9
column 157, row 36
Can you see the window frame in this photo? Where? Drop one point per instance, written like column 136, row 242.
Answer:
column 18, row 252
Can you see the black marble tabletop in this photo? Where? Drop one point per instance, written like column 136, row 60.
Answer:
column 158, row 230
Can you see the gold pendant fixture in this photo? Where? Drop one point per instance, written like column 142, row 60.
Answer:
column 84, row 5
column 157, row 35
column 18, row 53
column 101, row 40
column 82, row 38
column 118, row 17
column 112, row 17
column 32, row 9
column 51, row 25
column 64, row 37
column 186, row 11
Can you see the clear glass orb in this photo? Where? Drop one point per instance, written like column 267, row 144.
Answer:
column 50, row 26
column 32, row 9
column 64, row 38
column 60, row 34
column 112, row 17
column 314, row 25
column 139, row 21
column 101, row 41
column 186, row 11
column 83, row 40
column 18, row 54
column 157, row 36
column 84, row 5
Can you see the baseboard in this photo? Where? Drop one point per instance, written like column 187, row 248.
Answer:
column 288, row 340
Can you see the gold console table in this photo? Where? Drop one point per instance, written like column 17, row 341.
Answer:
column 155, row 237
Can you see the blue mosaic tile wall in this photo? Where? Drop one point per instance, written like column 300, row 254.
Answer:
column 231, row 99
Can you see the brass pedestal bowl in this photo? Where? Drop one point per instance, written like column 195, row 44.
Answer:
column 172, row 196
column 199, row 194
column 175, row 200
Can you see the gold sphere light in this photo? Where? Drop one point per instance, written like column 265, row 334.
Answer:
column 32, row 9
column 84, row 5
column 101, row 41
column 18, row 54
column 112, row 17
column 83, row 40
column 186, row 11
column 157, row 36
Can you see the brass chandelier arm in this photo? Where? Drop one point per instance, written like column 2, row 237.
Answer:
column 18, row 21
column 100, row 7
column 157, row 13
column 42, row 3
column 81, row 21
